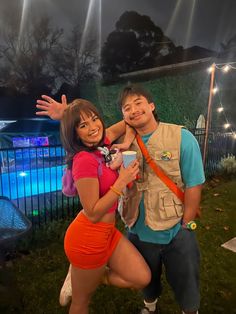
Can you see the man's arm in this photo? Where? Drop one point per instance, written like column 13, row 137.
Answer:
column 192, row 174
column 51, row 108
column 192, row 198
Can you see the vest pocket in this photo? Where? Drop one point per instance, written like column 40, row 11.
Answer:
column 170, row 206
column 130, row 206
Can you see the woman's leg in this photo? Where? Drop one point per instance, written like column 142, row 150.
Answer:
column 66, row 290
column 84, row 283
column 127, row 267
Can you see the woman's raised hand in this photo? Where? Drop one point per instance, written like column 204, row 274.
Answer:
column 50, row 107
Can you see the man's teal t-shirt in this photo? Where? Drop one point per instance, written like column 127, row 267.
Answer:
column 192, row 174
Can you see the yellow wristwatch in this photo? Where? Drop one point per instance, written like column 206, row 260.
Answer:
column 191, row 225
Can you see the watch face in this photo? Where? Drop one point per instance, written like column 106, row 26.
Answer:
column 192, row 225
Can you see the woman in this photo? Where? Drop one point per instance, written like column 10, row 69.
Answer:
column 92, row 242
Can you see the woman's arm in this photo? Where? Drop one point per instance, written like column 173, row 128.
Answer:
column 88, row 190
column 51, row 108
column 117, row 130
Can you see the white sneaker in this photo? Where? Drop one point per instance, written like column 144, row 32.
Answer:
column 66, row 290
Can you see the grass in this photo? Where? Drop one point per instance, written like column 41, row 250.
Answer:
column 30, row 283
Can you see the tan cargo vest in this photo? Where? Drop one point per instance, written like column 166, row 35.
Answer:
column 162, row 207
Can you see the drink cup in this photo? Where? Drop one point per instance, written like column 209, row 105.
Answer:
column 128, row 156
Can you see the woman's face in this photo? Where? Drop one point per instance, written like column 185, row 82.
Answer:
column 90, row 130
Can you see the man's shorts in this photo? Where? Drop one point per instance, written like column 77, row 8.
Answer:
column 181, row 259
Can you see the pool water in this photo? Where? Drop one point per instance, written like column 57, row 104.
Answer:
column 31, row 182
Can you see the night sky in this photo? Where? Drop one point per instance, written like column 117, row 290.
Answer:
column 205, row 23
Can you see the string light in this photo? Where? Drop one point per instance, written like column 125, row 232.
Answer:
column 210, row 69
column 225, row 68
column 220, row 109
column 215, row 90
column 226, row 125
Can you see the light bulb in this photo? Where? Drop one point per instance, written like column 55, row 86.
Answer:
column 220, row 109
column 226, row 68
column 215, row 90
column 210, row 69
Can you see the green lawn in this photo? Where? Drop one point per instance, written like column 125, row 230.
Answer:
column 30, row 284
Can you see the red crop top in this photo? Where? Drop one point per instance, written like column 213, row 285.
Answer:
column 86, row 165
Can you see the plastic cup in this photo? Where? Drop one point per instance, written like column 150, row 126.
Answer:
column 128, row 156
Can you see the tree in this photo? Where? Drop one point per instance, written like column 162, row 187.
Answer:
column 25, row 57
column 135, row 44
column 40, row 59
column 119, row 58
column 77, row 59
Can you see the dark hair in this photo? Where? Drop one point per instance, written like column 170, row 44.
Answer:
column 135, row 89
column 70, row 120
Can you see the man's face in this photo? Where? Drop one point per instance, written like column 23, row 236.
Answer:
column 137, row 112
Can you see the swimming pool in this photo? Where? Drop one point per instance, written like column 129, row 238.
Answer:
column 31, row 182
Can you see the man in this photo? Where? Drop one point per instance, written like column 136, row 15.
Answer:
column 158, row 222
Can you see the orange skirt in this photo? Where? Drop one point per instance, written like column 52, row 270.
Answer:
column 90, row 245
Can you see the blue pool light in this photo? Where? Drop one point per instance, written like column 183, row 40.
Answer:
column 22, row 174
